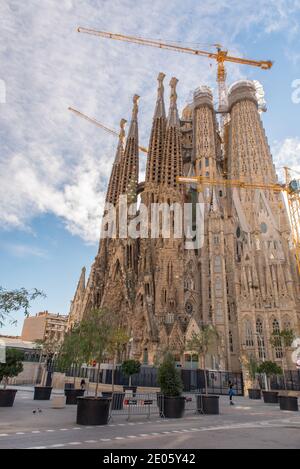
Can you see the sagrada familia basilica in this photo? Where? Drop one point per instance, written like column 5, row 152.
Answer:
column 243, row 279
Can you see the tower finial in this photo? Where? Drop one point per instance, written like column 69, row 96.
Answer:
column 123, row 123
column 160, row 105
column 135, row 108
column 173, row 97
column 173, row 118
column 160, row 79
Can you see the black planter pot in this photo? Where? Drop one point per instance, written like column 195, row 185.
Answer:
column 92, row 410
column 72, row 394
column 288, row 403
column 254, row 393
column 270, row 397
column 7, row 397
column 117, row 399
column 171, row 407
column 42, row 393
column 130, row 388
column 207, row 404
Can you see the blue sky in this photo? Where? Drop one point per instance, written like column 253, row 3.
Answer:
column 54, row 166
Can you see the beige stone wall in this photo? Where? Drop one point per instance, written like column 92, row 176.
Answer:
column 27, row 376
column 34, row 328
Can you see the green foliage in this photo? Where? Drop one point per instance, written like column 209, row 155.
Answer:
column 130, row 367
column 70, row 351
column 95, row 332
column 252, row 367
column 93, row 338
column 117, row 341
column 169, row 378
column 269, row 368
column 283, row 338
column 15, row 300
column 205, row 341
column 13, row 365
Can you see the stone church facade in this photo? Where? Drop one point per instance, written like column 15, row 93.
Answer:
column 244, row 278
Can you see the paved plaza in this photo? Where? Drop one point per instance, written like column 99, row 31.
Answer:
column 247, row 424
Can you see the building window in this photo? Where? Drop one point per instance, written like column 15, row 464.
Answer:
column 145, row 356
column 248, row 334
column 219, row 312
column 217, row 264
column 230, row 342
column 169, row 318
column 216, row 240
column 260, row 339
column 278, row 346
column 218, row 287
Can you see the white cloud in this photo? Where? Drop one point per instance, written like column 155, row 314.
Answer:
column 50, row 160
column 286, row 153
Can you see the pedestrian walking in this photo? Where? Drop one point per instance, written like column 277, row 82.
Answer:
column 230, row 392
column 82, row 384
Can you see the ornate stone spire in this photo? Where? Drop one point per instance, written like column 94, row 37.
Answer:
column 160, row 104
column 114, row 181
column 249, row 154
column 155, row 153
column 81, row 282
column 173, row 117
column 133, row 129
column 130, row 162
column 172, row 154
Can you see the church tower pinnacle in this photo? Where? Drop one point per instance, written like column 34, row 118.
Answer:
column 155, row 154
column 113, row 186
column 172, row 155
column 130, row 163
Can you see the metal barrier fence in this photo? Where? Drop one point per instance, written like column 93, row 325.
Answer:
column 193, row 380
column 129, row 404
column 291, row 381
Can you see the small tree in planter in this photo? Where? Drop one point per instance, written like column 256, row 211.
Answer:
column 206, row 341
column 118, row 339
column 270, row 368
column 10, row 369
column 251, row 365
column 96, row 330
column 70, row 354
column 48, row 348
column 171, row 403
column 130, row 368
column 282, row 340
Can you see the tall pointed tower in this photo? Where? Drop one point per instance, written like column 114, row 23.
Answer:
column 129, row 169
column 75, row 314
column 156, row 145
column 265, row 297
column 115, row 177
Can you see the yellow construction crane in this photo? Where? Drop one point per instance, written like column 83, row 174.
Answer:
column 291, row 188
column 221, row 56
column 102, row 126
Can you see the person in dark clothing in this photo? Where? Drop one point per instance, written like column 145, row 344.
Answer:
column 230, row 392
column 82, row 384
